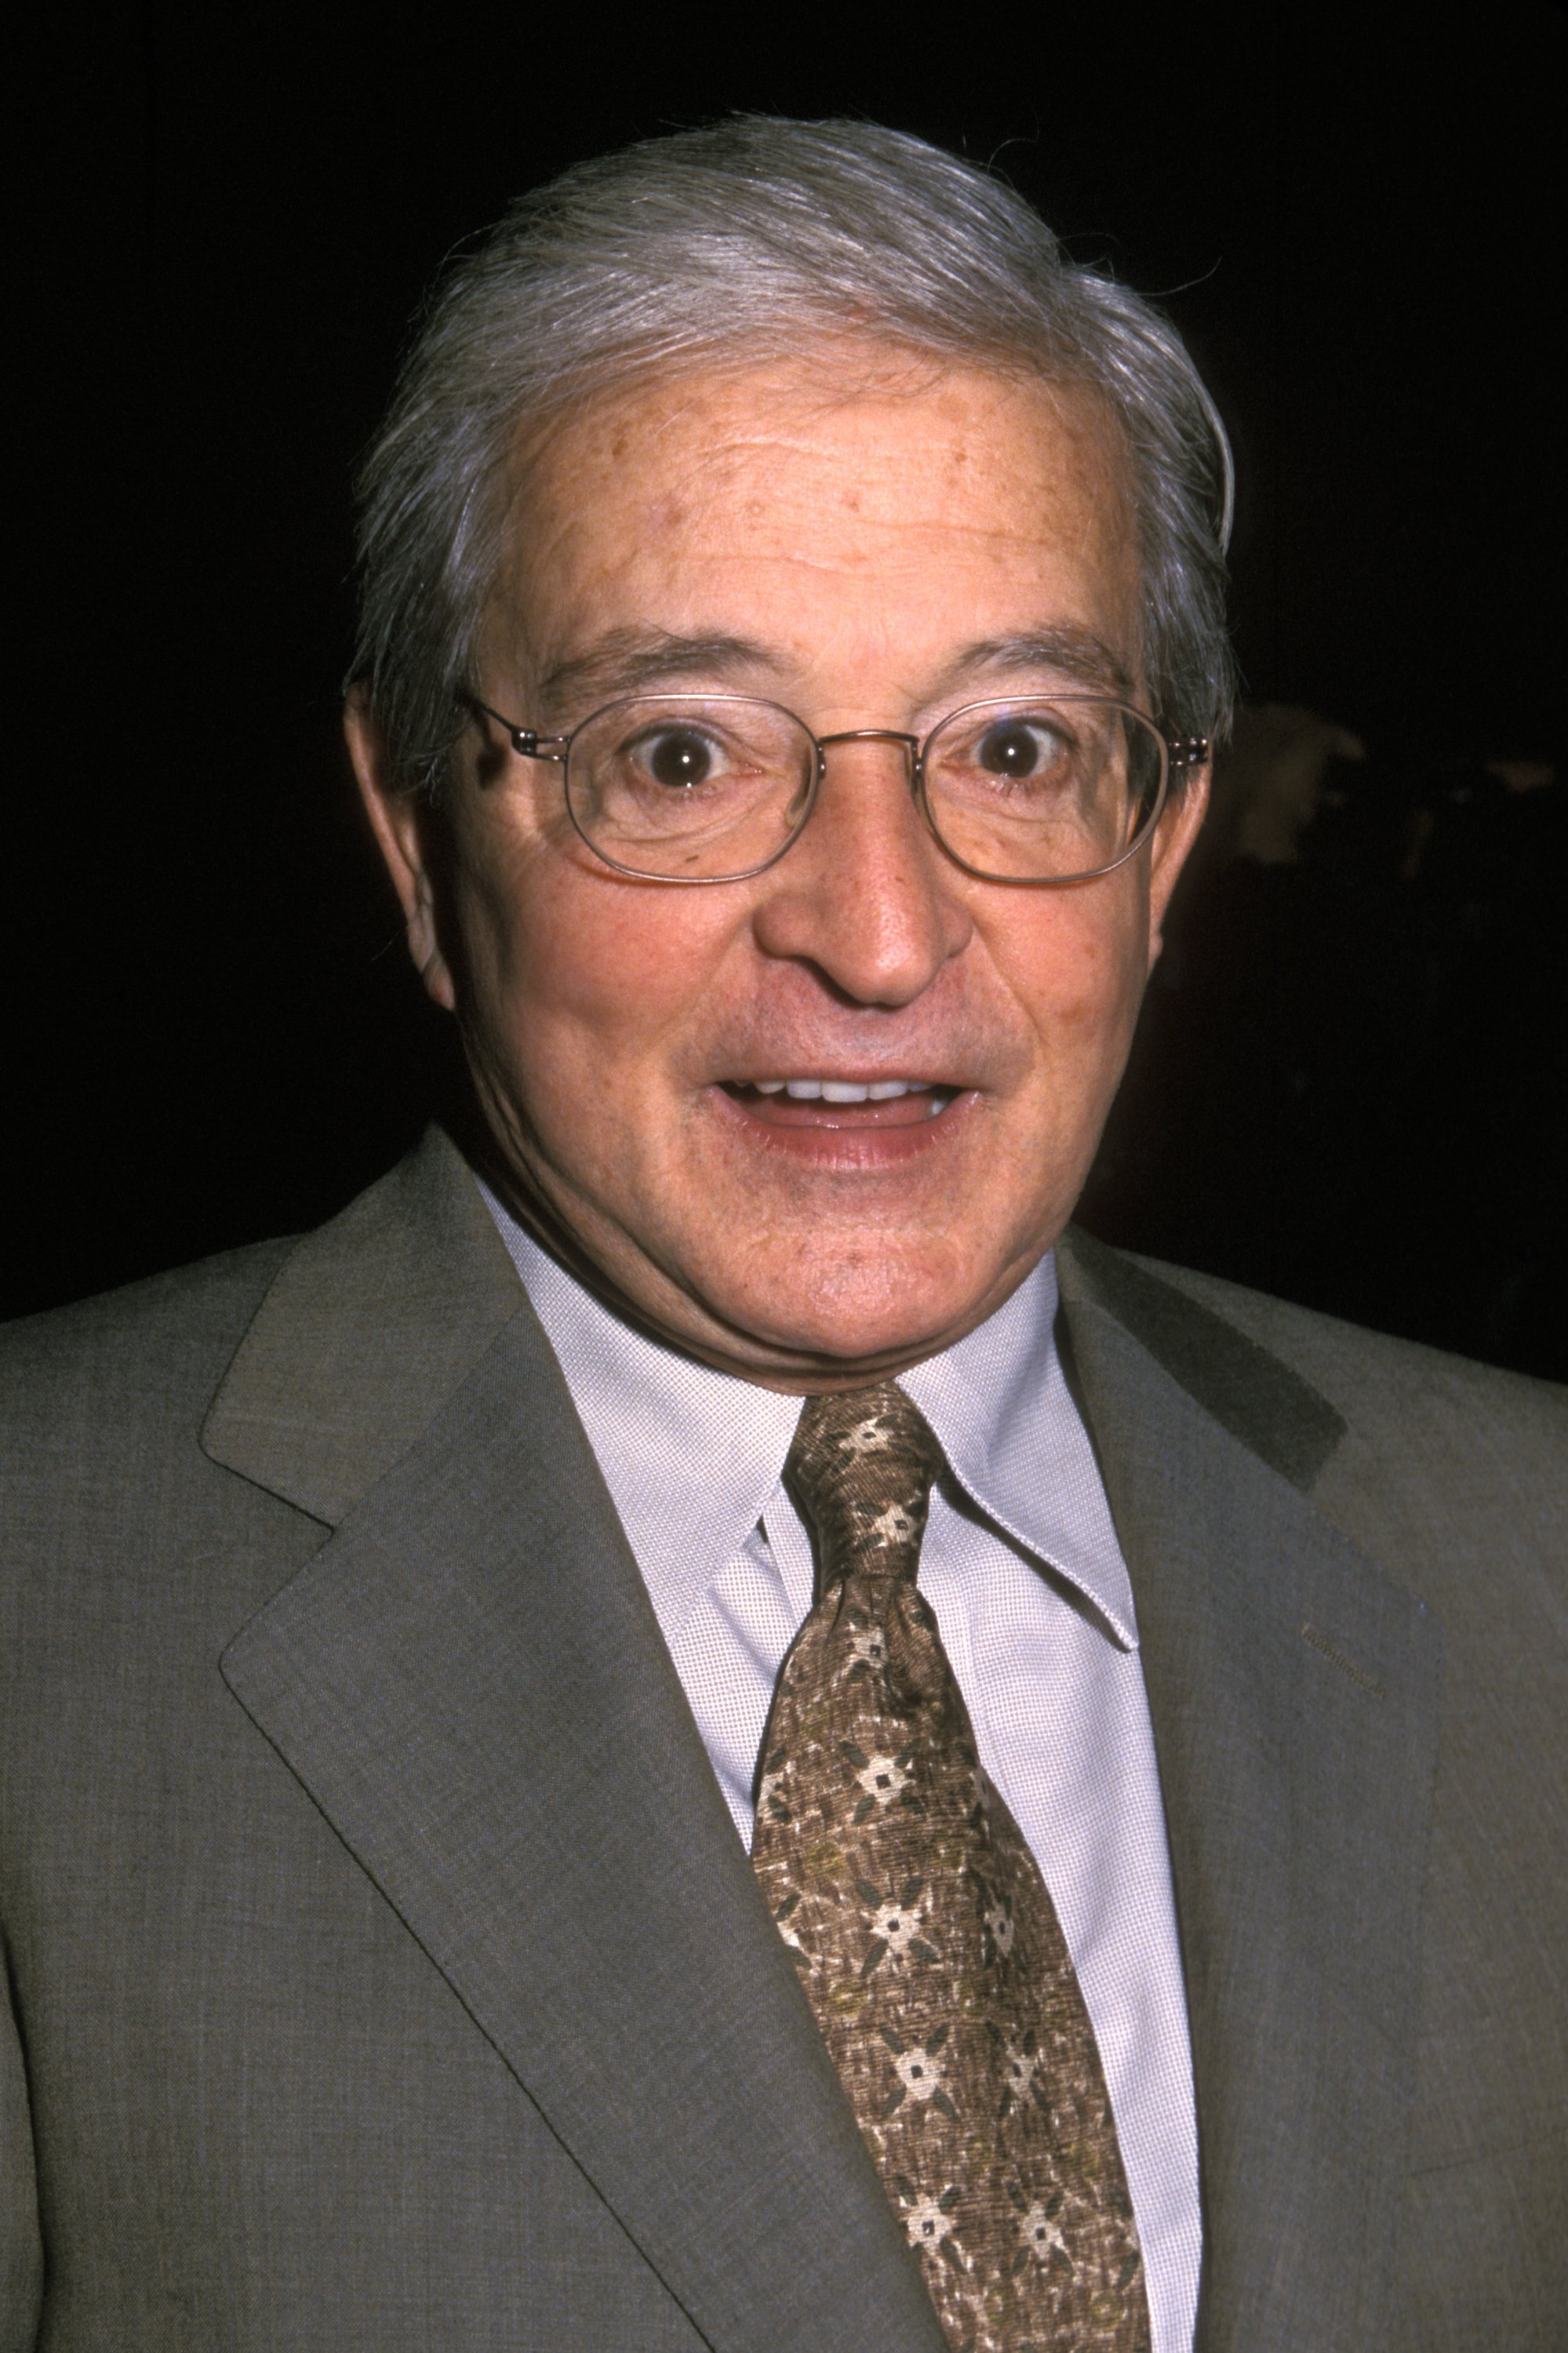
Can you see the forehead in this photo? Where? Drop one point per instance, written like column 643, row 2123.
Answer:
column 869, row 492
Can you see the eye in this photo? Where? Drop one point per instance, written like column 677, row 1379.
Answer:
column 677, row 757
column 1017, row 747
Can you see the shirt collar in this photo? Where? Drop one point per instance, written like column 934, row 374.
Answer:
column 999, row 1403
column 692, row 1456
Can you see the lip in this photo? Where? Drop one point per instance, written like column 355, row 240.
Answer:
column 853, row 1135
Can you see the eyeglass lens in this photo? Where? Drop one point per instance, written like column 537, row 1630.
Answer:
column 703, row 787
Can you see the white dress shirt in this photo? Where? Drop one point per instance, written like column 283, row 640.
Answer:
column 1021, row 1566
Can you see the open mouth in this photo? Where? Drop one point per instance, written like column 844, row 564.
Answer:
column 841, row 1102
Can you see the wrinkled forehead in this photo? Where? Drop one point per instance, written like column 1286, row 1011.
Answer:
column 863, row 469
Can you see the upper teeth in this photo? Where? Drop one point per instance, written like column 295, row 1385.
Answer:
column 841, row 1090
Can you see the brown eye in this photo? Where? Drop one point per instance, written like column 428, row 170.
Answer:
column 679, row 757
column 1012, row 748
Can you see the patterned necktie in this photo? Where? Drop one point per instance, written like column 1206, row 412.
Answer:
column 927, row 1943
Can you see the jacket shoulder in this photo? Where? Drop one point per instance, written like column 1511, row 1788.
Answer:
column 151, row 1352
column 1454, row 1474
column 1383, row 1387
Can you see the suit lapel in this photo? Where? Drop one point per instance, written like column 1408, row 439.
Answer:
column 1293, row 1691
column 468, row 1680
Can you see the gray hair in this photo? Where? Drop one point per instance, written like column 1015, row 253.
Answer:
column 748, row 237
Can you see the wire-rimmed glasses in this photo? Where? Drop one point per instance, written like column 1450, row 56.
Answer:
column 1045, row 789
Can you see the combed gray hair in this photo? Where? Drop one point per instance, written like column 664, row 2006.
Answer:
column 752, row 236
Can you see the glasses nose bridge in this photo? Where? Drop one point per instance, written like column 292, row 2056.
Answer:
column 908, row 744
column 873, row 735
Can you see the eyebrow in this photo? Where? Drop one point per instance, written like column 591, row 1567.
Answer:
column 1065, row 650
column 630, row 660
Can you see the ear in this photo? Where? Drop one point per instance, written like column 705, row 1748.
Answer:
column 1173, row 837
column 402, row 822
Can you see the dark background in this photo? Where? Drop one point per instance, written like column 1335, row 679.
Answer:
column 1348, row 1087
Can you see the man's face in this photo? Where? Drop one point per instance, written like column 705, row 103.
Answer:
column 870, row 546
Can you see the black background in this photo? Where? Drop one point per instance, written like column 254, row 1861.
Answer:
column 224, row 227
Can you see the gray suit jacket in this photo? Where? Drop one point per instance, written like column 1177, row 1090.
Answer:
column 386, row 1972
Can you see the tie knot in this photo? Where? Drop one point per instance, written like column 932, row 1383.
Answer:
column 862, row 1466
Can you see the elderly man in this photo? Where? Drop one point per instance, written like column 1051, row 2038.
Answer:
column 694, row 1727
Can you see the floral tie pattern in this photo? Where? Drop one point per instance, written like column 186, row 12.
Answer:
column 927, row 1943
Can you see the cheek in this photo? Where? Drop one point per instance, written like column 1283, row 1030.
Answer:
column 1078, row 977
column 570, row 970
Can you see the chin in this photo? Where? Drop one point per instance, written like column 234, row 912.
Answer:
column 860, row 1309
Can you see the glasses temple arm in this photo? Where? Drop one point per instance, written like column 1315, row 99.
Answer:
column 527, row 742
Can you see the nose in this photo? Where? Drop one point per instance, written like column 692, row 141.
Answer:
column 866, row 895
